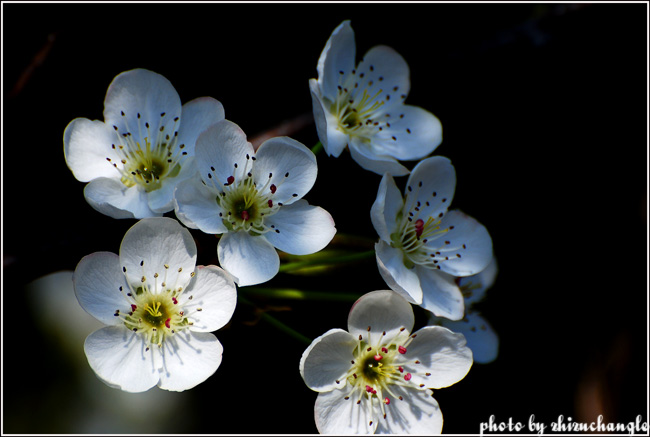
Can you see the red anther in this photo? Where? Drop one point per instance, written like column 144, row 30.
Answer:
column 419, row 227
column 401, row 369
column 401, row 349
column 369, row 389
column 167, row 323
column 384, row 350
column 270, row 203
column 374, row 392
column 244, row 215
column 387, row 401
column 231, row 179
column 273, row 188
column 133, row 307
column 175, row 301
column 378, row 357
column 407, row 377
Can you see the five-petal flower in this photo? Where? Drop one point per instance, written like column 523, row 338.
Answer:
column 377, row 376
column 160, row 308
column 481, row 337
column 362, row 107
column 418, row 237
column 253, row 198
column 134, row 159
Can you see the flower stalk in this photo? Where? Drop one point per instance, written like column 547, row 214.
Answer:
column 295, row 294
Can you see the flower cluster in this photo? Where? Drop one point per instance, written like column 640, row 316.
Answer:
column 151, row 156
column 424, row 253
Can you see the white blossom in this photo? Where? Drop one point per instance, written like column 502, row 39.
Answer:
column 133, row 160
column 419, row 238
column 160, row 308
column 253, row 198
column 377, row 376
column 362, row 107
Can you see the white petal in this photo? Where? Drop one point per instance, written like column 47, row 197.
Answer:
column 196, row 206
column 145, row 93
column 113, row 198
column 469, row 249
column 300, row 228
column 370, row 159
column 398, row 277
column 162, row 199
column 481, row 337
column 86, row 145
column 441, row 294
column 288, row 165
column 413, row 134
column 327, row 360
column 479, row 283
column 432, row 183
column 188, row 360
column 418, row 413
column 196, row 116
column 97, row 281
column 338, row 55
column 388, row 204
column 158, row 250
column 388, row 71
column 334, row 140
column 336, row 415
column 223, row 146
column 213, row 292
column 250, row 260
column 442, row 353
column 119, row 358
column 382, row 311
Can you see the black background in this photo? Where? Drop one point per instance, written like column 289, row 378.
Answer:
column 543, row 108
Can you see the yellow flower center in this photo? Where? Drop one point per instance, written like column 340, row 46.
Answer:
column 149, row 157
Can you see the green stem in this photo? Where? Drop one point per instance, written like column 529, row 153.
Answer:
column 278, row 324
column 297, row 265
column 317, row 148
column 292, row 293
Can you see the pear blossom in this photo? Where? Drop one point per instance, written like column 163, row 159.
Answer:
column 362, row 107
column 377, row 377
column 253, row 198
column 159, row 307
column 481, row 337
column 419, row 239
column 133, row 160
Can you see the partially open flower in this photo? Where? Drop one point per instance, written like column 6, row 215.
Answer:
column 419, row 238
column 254, row 200
column 378, row 376
column 159, row 307
column 362, row 107
column 145, row 146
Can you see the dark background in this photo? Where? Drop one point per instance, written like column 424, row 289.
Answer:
column 543, row 108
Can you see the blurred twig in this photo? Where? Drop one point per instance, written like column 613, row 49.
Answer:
column 286, row 128
column 37, row 61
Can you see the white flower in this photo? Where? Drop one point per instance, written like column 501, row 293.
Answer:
column 363, row 107
column 481, row 337
column 254, row 199
column 134, row 159
column 418, row 238
column 160, row 308
column 378, row 377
